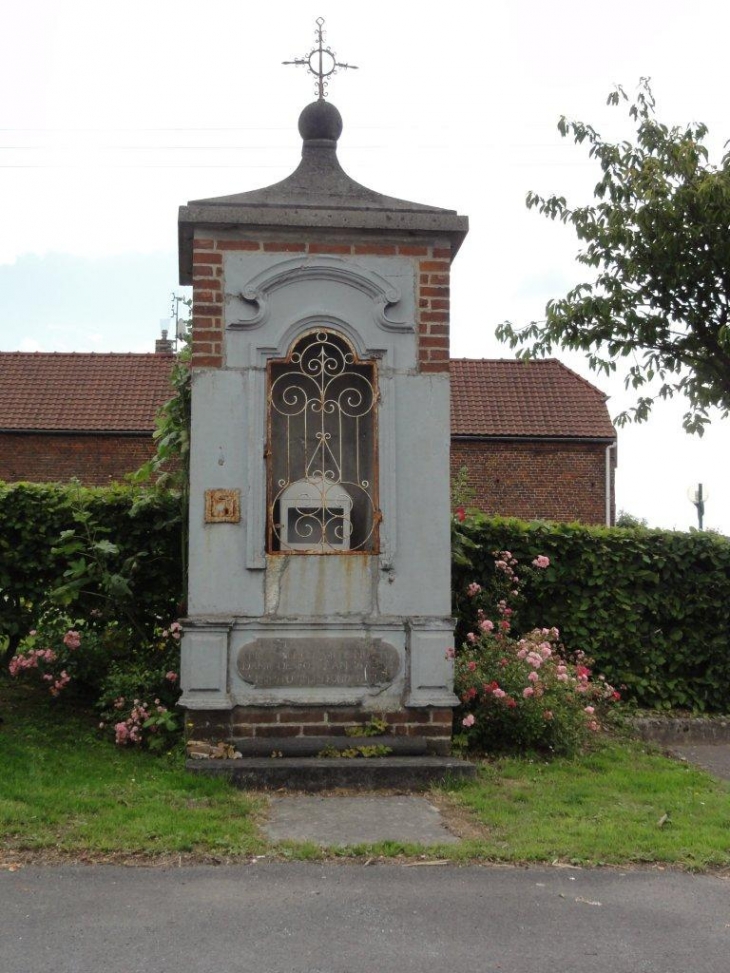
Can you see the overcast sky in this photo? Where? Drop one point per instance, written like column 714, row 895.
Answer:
column 111, row 116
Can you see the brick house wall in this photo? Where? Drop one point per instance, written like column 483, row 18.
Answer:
column 531, row 480
column 535, row 480
column 96, row 459
column 80, row 415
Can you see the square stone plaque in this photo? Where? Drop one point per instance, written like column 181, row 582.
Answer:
column 222, row 506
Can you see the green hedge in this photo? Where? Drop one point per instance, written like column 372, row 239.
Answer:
column 32, row 519
column 651, row 607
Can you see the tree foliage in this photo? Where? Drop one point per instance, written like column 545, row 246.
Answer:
column 658, row 236
column 169, row 469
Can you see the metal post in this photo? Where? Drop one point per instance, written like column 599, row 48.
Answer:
column 700, row 503
column 698, row 499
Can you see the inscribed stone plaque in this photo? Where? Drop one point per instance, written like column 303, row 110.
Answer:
column 270, row 663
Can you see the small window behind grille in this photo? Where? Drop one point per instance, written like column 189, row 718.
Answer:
column 322, row 449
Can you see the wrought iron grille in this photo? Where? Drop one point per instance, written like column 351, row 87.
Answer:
column 322, row 453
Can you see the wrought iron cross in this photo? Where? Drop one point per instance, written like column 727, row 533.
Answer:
column 321, row 61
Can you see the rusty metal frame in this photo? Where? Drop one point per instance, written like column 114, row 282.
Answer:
column 274, row 491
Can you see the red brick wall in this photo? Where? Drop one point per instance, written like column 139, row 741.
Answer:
column 537, row 481
column 544, row 481
column 432, row 267
column 433, row 303
column 95, row 460
column 434, row 723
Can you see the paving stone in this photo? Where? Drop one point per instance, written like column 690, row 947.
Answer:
column 341, row 821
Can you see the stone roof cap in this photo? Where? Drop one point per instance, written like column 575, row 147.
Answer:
column 319, row 193
column 517, row 398
column 58, row 392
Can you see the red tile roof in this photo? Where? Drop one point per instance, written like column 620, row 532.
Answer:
column 79, row 392
column 122, row 393
column 532, row 399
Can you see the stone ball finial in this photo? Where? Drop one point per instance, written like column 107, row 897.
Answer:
column 320, row 120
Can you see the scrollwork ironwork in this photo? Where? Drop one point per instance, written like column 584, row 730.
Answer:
column 322, row 448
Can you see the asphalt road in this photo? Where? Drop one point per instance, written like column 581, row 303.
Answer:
column 349, row 918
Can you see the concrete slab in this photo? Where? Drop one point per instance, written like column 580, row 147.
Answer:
column 342, row 821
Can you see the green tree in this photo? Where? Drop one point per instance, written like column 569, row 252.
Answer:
column 625, row 519
column 658, row 236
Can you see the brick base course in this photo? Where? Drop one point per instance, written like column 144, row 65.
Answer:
column 433, row 723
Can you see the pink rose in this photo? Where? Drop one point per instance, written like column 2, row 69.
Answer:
column 469, row 720
column 541, row 561
column 528, row 692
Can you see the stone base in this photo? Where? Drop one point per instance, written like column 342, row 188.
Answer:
column 319, row 774
column 261, row 722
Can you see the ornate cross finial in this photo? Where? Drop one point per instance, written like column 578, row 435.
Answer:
column 321, row 62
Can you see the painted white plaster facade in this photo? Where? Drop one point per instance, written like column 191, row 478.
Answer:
column 237, row 592
column 377, row 625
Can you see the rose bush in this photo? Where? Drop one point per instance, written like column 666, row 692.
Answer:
column 138, row 698
column 63, row 652
column 111, row 668
column 522, row 692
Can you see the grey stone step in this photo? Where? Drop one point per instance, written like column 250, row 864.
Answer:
column 319, row 773
column 400, row 746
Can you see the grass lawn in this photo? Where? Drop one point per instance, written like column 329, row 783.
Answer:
column 623, row 803
column 64, row 793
